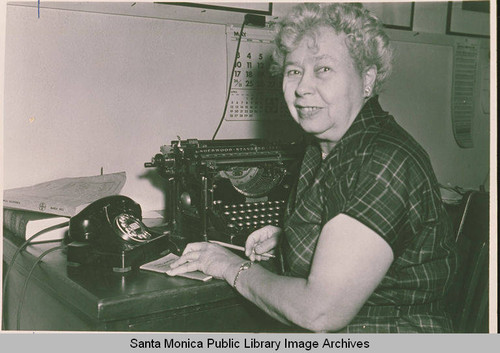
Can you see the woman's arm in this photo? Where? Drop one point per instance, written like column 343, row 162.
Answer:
column 349, row 262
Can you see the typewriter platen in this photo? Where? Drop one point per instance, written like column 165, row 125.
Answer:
column 225, row 189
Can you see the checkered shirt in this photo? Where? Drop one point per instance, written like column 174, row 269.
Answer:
column 379, row 175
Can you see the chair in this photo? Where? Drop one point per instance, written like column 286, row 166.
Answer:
column 468, row 299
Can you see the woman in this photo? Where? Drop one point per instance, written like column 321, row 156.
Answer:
column 366, row 240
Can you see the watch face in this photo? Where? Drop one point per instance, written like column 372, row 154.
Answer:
column 245, row 266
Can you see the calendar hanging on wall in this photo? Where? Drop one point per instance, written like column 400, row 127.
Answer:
column 465, row 62
column 255, row 93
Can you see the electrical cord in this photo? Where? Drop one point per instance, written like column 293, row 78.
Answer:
column 231, row 79
column 26, row 282
column 29, row 241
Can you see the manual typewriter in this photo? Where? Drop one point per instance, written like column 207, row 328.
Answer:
column 225, row 189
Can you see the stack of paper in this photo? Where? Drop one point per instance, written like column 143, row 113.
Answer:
column 64, row 197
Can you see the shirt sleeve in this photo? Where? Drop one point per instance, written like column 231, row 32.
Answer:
column 392, row 195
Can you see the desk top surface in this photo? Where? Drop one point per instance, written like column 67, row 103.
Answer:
column 105, row 295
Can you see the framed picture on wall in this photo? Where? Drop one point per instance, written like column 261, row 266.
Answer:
column 397, row 15
column 468, row 18
column 260, row 8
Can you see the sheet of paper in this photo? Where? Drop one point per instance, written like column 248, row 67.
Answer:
column 162, row 265
column 64, row 197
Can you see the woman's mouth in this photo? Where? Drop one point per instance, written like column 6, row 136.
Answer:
column 307, row 111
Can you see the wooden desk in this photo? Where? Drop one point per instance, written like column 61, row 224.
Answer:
column 59, row 300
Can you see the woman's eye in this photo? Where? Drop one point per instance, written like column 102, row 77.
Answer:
column 323, row 69
column 292, row 72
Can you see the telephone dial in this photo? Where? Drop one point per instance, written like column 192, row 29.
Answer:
column 110, row 233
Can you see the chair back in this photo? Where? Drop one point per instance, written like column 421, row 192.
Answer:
column 468, row 298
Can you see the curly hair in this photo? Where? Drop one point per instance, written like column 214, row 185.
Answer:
column 368, row 44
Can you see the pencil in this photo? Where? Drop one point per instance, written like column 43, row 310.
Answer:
column 237, row 247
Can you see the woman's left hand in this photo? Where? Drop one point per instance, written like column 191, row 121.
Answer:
column 211, row 259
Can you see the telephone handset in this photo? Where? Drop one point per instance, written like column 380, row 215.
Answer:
column 110, row 220
column 110, row 231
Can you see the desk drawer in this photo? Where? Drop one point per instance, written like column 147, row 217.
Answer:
column 226, row 316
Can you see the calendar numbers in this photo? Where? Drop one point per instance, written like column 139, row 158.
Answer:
column 255, row 93
column 243, row 106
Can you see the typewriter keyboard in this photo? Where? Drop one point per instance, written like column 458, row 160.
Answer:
column 248, row 217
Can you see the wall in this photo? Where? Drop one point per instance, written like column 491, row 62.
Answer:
column 86, row 90
column 419, row 96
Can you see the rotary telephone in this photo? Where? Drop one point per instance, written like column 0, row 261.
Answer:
column 110, row 232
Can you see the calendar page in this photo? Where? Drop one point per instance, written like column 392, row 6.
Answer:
column 255, row 93
column 465, row 62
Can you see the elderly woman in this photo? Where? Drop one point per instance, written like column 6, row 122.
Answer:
column 366, row 241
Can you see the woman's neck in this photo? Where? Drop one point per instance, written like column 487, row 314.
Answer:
column 326, row 147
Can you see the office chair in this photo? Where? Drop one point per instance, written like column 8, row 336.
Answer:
column 468, row 299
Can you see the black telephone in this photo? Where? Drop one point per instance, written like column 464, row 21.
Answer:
column 113, row 221
column 110, row 232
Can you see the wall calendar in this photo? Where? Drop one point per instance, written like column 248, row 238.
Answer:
column 255, row 93
column 465, row 62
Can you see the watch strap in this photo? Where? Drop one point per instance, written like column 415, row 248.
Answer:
column 243, row 267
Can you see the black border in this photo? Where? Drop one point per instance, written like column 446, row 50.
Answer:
column 269, row 12
column 448, row 25
column 407, row 28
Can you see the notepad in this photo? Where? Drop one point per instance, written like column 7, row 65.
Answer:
column 162, row 265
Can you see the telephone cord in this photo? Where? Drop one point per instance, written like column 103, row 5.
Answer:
column 16, row 254
column 26, row 282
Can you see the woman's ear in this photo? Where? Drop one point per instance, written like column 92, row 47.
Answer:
column 369, row 77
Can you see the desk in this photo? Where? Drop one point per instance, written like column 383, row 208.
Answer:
column 60, row 300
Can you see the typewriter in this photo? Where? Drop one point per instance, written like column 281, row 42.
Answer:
column 225, row 189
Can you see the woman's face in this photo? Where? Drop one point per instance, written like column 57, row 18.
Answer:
column 322, row 88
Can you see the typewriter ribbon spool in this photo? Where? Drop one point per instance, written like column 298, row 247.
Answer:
column 255, row 182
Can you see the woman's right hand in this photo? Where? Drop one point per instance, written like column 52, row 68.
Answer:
column 261, row 241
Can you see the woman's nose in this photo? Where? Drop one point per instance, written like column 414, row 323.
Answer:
column 305, row 86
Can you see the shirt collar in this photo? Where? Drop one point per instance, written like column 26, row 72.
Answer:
column 368, row 117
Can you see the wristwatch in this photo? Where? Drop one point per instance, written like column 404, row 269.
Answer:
column 244, row 266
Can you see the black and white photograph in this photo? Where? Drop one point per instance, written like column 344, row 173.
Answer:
column 249, row 169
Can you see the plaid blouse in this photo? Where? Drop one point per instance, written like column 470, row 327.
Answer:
column 379, row 175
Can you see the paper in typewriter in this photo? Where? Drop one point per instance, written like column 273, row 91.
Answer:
column 66, row 196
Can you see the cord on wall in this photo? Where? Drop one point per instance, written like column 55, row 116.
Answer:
column 254, row 20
